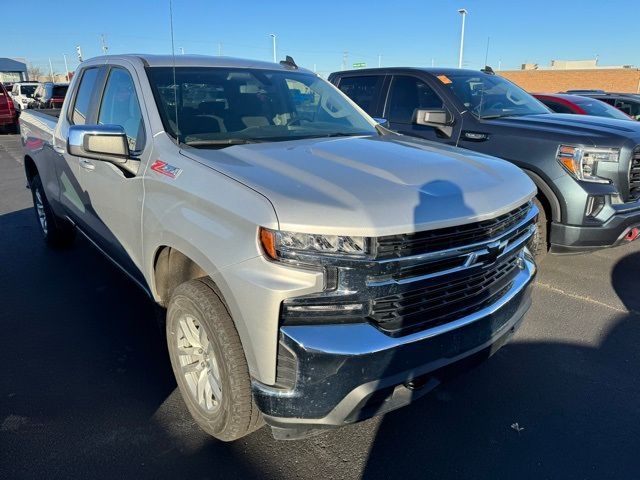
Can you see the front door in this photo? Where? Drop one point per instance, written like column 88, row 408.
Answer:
column 407, row 94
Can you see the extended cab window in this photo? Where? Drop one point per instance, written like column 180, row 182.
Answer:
column 120, row 106
column 83, row 98
column 408, row 94
column 362, row 90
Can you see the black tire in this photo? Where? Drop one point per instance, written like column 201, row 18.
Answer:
column 236, row 414
column 539, row 245
column 56, row 231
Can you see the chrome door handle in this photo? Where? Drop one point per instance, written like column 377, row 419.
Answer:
column 86, row 164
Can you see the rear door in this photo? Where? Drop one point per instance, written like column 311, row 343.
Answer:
column 80, row 112
column 113, row 200
column 365, row 90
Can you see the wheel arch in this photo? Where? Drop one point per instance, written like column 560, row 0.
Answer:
column 547, row 197
column 30, row 168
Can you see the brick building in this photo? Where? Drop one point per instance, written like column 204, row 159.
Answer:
column 610, row 79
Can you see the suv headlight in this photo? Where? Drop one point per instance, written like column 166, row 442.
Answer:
column 582, row 162
column 278, row 244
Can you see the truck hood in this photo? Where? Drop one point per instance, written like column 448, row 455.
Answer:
column 585, row 129
column 371, row 186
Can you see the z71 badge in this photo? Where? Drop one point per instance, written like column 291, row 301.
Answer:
column 165, row 169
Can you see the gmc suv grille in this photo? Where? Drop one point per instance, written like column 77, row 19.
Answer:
column 395, row 246
column 634, row 176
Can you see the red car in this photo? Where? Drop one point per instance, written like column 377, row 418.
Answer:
column 575, row 104
column 8, row 118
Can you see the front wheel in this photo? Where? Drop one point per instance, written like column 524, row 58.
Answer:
column 56, row 231
column 209, row 362
column 539, row 244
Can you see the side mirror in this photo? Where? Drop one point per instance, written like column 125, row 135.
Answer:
column 99, row 142
column 383, row 122
column 439, row 118
column 433, row 117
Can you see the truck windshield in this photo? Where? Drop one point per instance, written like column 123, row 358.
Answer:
column 214, row 107
column 491, row 96
column 28, row 90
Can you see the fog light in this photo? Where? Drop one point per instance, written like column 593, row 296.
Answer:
column 595, row 205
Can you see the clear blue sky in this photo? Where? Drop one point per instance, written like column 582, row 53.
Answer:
column 404, row 32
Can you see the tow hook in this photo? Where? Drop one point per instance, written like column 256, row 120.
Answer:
column 632, row 234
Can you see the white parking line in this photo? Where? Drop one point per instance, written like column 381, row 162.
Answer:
column 585, row 298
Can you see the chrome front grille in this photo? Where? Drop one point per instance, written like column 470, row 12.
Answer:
column 634, row 176
column 446, row 299
column 444, row 238
column 426, row 279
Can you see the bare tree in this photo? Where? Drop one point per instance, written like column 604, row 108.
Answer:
column 34, row 72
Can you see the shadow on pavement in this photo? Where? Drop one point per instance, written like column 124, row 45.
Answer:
column 86, row 391
column 577, row 406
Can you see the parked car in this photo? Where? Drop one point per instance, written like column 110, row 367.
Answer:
column 587, row 169
column 22, row 94
column 628, row 103
column 316, row 269
column 50, row 95
column 578, row 105
column 8, row 119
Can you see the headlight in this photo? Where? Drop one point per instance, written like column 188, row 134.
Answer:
column 278, row 244
column 582, row 162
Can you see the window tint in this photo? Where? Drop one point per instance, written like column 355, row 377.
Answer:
column 362, row 90
column 120, row 107
column 408, row 94
column 557, row 107
column 83, row 98
column 630, row 108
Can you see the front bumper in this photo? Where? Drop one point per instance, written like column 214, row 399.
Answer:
column 346, row 373
column 566, row 239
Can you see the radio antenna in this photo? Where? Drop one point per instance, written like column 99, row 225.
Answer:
column 175, row 85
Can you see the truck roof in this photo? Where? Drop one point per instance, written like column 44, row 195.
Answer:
column 432, row 70
column 193, row 61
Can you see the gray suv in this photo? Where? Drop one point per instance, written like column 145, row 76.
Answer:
column 587, row 169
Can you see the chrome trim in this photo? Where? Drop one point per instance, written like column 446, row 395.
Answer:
column 363, row 338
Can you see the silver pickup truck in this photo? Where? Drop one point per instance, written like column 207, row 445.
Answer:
column 316, row 269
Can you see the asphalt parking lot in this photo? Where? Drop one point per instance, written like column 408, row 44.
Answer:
column 86, row 388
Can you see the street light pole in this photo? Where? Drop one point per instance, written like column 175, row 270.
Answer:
column 462, row 12
column 275, row 55
column 66, row 67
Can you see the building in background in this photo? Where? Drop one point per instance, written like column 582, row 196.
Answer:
column 12, row 70
column 562, row 75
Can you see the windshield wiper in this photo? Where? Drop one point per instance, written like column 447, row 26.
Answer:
column 221, row 143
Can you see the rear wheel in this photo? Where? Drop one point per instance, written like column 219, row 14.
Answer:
column 209, row 362
column 56, row 231
column 540, row 243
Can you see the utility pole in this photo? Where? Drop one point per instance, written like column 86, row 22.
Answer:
column 314, row 68
column 275, row 55
column 433, row 62
column 219, row 49
column 345, row 59
column 79, row 52
column 462, row 12
column 499, row 65
column 103, row 44
column 51, row 69
column 379, row 60
column 66, row 67
column 181, row 50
